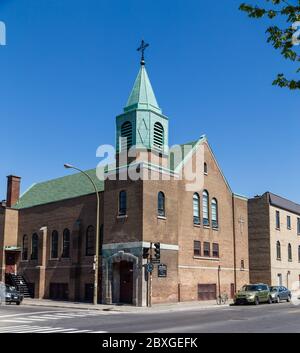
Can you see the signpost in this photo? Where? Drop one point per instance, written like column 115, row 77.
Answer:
column 162, row 270
column 149, row 267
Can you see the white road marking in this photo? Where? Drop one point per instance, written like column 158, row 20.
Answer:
column 33, row 329
column 57, row 329
column 35, row 318
column 99, row 331
column 20, row 321
column 58, row 316
column 12, row 328
column 81, row 331
column 37, row 312
column 28, row 318
column 41, row 329
column 31, row 319
column 47, row 317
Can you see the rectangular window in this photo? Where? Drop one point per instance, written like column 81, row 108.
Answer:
column 197, row 248
column 288, row 222
column 206, row 249
column 277, row 220
column 298, row 226
column 215, row 250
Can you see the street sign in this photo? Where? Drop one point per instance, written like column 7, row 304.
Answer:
column 162, row 270
column 149, row 267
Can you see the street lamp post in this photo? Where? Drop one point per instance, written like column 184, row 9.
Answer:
column 219, row 280
column 95, row 296
column 287, row 278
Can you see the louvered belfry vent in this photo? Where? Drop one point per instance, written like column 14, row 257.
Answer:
column 126, row 136
column 158, row 137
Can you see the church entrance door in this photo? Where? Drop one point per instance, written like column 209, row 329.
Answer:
column 126, row 282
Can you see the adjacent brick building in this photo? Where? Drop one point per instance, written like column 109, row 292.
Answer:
column 274, row 240
column 48, row 234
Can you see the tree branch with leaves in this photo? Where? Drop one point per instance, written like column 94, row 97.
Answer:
column 286, row 39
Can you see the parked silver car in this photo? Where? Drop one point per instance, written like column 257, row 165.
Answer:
column 279, row 293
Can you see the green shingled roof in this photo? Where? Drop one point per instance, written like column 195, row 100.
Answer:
column 67, row 187
column 186, row 149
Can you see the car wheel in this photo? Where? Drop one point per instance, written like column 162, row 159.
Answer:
column 18, row 303
column 270, row 301
column 288, row 299
column 256, row 301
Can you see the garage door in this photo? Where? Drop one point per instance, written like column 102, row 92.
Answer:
column 207, row 291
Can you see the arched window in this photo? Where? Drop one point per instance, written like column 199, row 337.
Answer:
column 122, row 203
column 214, row 213
column 158, row 138
column 205, row 168
column 25, row 248
column 161, row 211
column 66, row 243
column 196, row 208
column 34, row 247
column 54, row 245
column 278, row 250
column 126, row 136
column 205, row 208
column 290, row 257
column 90, row 241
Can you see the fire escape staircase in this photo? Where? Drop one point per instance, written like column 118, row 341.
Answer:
column 20, row 283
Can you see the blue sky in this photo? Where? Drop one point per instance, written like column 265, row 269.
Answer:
column 69, row 66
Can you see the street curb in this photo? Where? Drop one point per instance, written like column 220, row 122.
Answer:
column 129, row 310
column 67, row 306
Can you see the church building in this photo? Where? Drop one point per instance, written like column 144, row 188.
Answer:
column 199, row 226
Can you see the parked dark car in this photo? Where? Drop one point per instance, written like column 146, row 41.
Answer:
column 279, row 293
column 12, row 295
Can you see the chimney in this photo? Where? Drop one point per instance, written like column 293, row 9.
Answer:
column 13, row 190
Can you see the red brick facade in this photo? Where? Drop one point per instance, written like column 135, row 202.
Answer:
column 125, row 236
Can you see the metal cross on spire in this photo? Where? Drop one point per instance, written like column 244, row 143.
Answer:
column 142, row 49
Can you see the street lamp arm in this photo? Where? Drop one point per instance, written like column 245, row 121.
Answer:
column 86, row 174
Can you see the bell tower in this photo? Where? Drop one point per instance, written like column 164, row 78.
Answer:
column 142, row 123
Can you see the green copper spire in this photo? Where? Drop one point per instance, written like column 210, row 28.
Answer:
column 142, row 95
column 142, row 123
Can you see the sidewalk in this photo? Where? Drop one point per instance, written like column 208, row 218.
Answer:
column 125, row 308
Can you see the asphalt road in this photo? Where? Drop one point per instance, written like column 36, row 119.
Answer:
column 284, row 317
